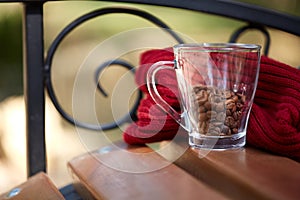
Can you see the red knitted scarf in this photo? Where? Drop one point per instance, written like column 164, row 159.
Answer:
column 274, row 119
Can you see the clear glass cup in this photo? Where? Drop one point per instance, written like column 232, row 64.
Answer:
column 217, row 84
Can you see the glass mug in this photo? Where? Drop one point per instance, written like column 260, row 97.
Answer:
column 217, row 84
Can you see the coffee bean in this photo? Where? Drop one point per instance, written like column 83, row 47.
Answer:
column 229, row 121
column 225, row 129
column 220, row 117
column 202, row 109
column 202, row 117
column 220, row 111
column 216, row 123
column 207, row 105
column 234, row 125
column 227, row 94
column 234, row 115
column 239, row 106
column 229, row 132
column 229, row 103
column 230, row 106
column 228, row 112
column 213, row 133
column 202, row 127
column 242, row 97
column 220, row 107
column 201, row 97
column 235, row 98
column 235, row 130
column 218, row 99
column 233, row 109
column 211, row 114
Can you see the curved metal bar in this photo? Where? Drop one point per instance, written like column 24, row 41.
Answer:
column 65, row 32
column 99, row 70
column 233, row 9
column 101, row 12
column 234, row 37
column 132, row 112
column 228, row 8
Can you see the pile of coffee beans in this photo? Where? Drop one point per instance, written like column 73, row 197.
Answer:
column 220, row 111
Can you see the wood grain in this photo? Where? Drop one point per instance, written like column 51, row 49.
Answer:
column 125, row 173
column 96, row 173
column 38, row 187
column 245, row 173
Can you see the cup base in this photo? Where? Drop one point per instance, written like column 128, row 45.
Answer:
column 217, row 142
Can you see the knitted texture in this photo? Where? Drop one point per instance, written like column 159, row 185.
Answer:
column 274, row 119
column 153, row 123
column 275, row 116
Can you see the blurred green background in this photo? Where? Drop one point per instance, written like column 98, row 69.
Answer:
column 58, row 14
column 84, row 47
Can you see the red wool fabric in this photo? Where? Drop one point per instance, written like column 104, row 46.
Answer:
column 153, row 123
column 274, row 123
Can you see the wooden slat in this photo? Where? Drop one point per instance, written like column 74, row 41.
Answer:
column 134, row 173
column 245, row 173
column 38, row 186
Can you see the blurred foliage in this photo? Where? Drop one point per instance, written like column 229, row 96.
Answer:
column 10, row 55
column 11, row 34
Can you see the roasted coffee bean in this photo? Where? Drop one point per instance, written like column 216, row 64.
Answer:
column 229, row 104
column 207, row 105
column 233, row 109
column 225, row 129
column 220, row 117
column 235, row 98
column 202, row 97
column 202, row 109
column 220, row 107
column 236, row 115
column 196, row 89
column 213, row 131
column 202, row 127
column 239, row 114
column 219, row 92
column 229, row 121
column 228, row 112
column 217, row 129
column 227, row 94
column 218, row 99
column 242, row 97
column 229, row 132
column 211, row 114
column 220, row 111
column 213, row 105
column 199, row 87
column 202, row 117
column 239, row 106
column 217, row 124
column 234, row 125
column 235, row 130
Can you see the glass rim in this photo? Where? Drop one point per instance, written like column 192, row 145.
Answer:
column 218, row 47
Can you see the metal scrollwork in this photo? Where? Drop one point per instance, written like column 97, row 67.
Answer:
column 132, row 113
column 66, row 31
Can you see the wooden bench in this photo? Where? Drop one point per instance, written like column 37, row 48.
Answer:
column 238, row 174
column 37, row 187
column 245, row 173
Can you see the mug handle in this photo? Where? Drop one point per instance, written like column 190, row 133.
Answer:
column 161, row 65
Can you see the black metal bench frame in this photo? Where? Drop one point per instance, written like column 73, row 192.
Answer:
column 37, row 68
